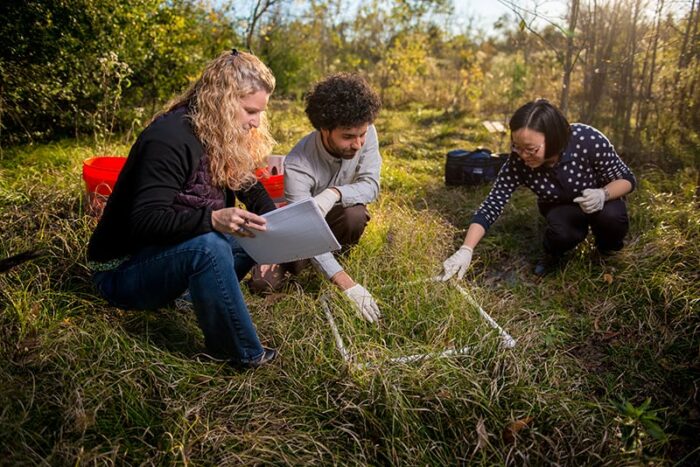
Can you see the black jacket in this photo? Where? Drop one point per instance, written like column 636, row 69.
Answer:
column 141, row 211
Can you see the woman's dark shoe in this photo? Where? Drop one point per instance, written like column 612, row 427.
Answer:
column 267, row 356
column 547, row 264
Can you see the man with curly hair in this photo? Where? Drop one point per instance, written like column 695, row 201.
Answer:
column 339, row 164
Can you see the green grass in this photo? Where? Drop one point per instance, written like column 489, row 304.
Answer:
column 605, row 371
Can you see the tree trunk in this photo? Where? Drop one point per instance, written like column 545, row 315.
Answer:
column 600, row 56
column 642, row 102
column 688, row 49
column 628, row 98
column 568, row 58
column 647, row 93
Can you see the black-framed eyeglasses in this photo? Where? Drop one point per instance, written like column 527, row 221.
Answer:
column 525, row 151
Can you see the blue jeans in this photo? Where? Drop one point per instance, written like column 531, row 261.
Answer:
column 210, row 265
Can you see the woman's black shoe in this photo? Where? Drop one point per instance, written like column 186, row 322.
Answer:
column 547, row 264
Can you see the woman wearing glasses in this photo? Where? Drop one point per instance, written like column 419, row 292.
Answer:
column 577, row 176
column 171, row 225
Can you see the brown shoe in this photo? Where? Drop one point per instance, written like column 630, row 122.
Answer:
column 266, row 279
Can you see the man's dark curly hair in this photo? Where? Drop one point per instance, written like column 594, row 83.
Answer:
column 342, row 100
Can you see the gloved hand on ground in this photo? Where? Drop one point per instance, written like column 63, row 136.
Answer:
column 458, row 264
column 364, row 304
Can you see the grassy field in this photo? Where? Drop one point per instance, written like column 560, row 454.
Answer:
column 606, row 370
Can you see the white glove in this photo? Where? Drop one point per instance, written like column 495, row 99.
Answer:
column 365, row 305
column 457, row 263
column 326, row 199
column 592, row 200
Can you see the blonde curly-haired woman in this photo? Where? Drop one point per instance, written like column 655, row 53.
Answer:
column 170, row 224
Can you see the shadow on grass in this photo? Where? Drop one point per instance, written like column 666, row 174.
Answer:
column 441, row 118
column 516, row 234
column 446, row 137
column 168, row 329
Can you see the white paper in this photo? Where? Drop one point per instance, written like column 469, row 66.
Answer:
column 296, row 231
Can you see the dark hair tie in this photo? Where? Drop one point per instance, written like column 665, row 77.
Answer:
column 234, row 52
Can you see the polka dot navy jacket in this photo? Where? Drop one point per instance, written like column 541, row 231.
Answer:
column 589, row 161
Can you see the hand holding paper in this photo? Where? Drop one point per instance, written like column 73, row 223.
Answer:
column 237, row 221
column 296, row 231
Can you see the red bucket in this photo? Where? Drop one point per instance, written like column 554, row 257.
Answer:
column 274, row 185
column 100, row 175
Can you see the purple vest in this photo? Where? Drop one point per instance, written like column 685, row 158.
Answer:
column 199, row 191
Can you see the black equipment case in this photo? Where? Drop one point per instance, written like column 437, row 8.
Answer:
column 472, row 167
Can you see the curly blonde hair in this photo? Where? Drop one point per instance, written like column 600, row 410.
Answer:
column 213, row 103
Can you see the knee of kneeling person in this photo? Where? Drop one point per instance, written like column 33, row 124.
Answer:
column 567, row 234
column 212, row 245
column 213, row 241
column 356, row 217
column 612, row 215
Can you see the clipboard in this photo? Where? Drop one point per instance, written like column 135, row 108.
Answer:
column 295, row 231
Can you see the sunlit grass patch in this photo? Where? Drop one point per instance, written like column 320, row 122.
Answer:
column 396, row 259
column 417, row 320
column 400, row 244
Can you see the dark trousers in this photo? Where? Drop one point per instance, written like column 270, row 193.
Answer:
column 567, row 226
column 347, row 224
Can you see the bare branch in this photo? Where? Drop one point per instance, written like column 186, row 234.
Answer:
column 520, row 13
column 260, row 8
